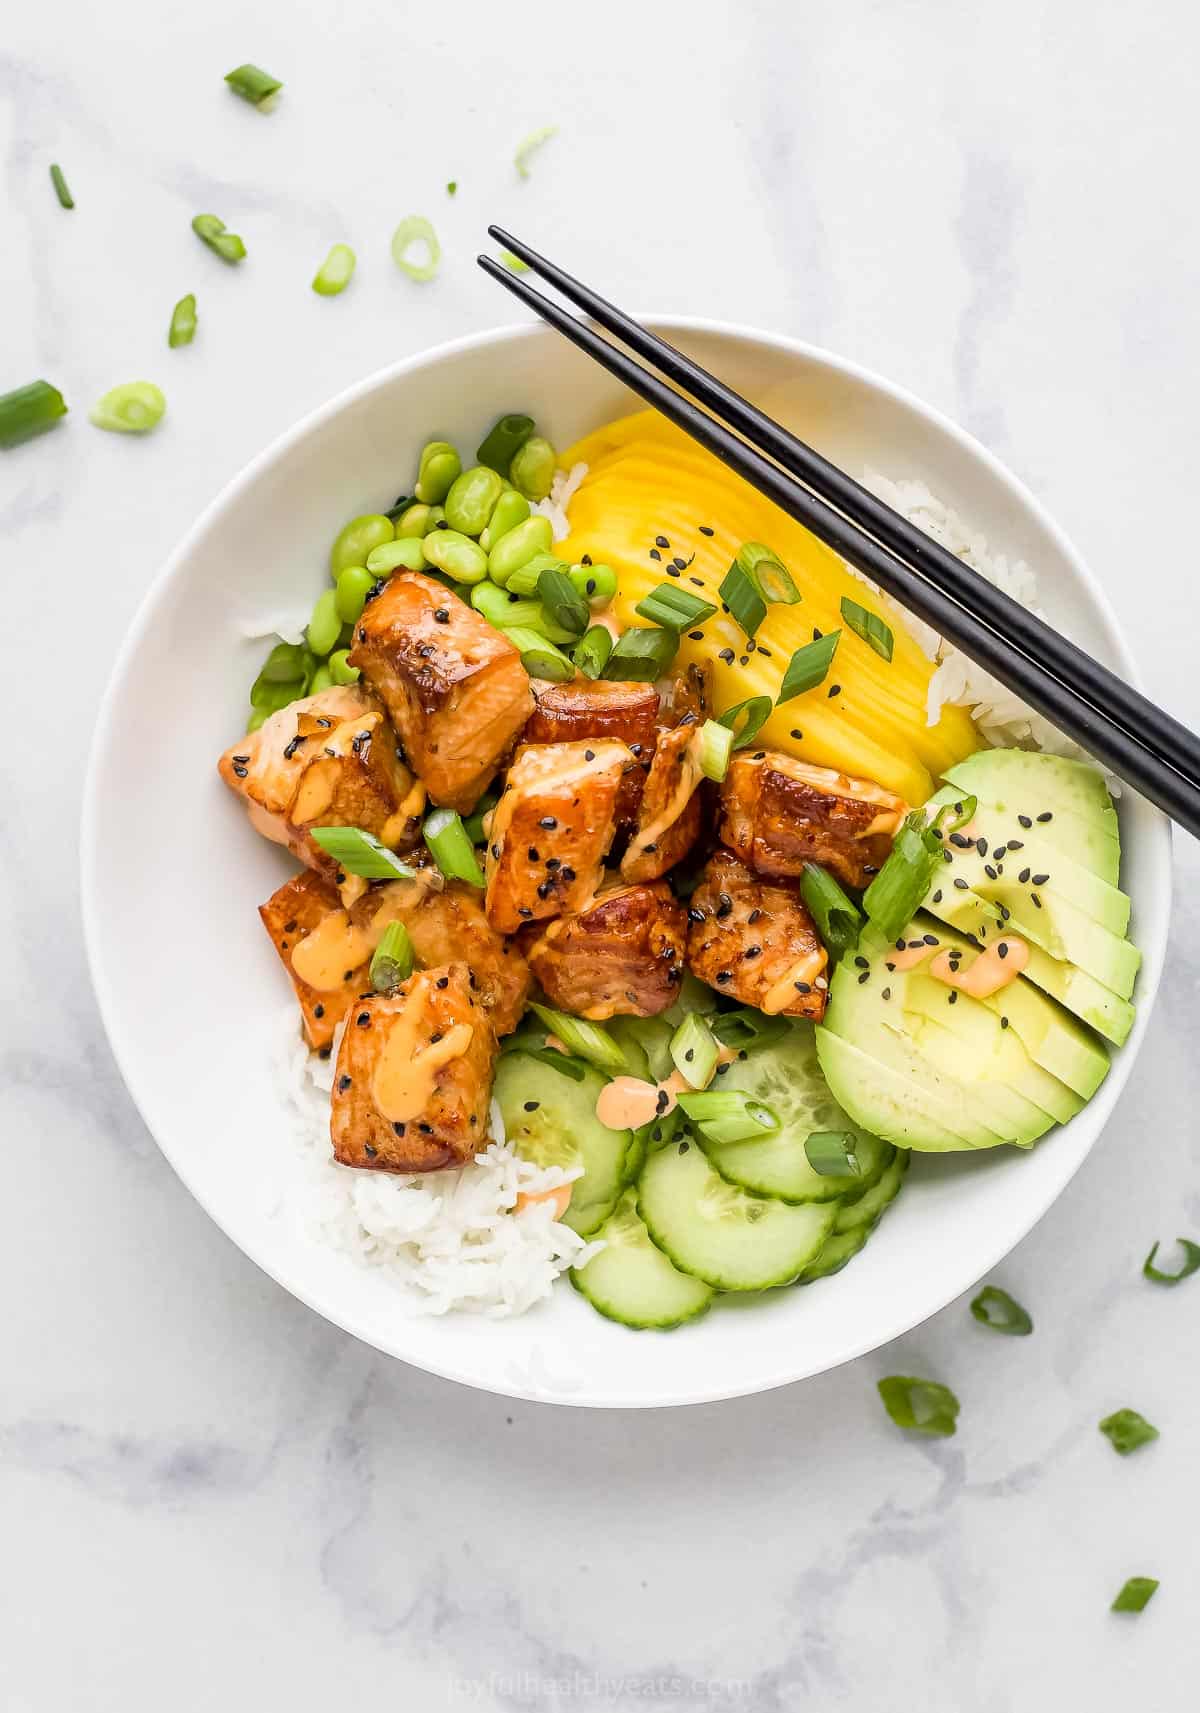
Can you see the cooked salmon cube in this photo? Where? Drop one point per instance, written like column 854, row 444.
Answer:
column 551, row 830
column 754, row 941
column 300, row 911
column 668, row 821
column 600, row 708
column 453, row 684
column 413, row 1080
column 354, row 778
column 778, row 813
column 622, row 956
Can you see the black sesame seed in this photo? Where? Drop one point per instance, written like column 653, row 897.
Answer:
column 695, row 915
column 442, row 615
column 635, row 749
column 726, row 655
column 704, row 530
column 567, row 873
column 1016, row 844
column 532, row 854
column 442, row 981
column 325, row 1053
column 661, row 541
column 861, row 963
column 835, row 690
column 425, row 1129
column 1040, row 879
column 887, row 993
column 981, row 845
column 1046, row 815
column 318, row 1011
column 343, row 1084
column 961, row 884
column 649, row 849
column 590, row 586
column 1023, row 876
column 1004, row 1022
column 372, row 1153
column 865, row 976
column 752, row 952
column 671, row 571
column 802, row 986
column 744, row 660
column 724, row 906
column 796, row 732
column 545, row 889
column 754, row 916
column 239, row 770
column 698, row 581
column 696, row 635
column 1025, row 820
column 532, row 1105
column 724, row 976
column 960, row 841
column 363, row 1019
column 1002, row 948
column 1005, row 912
column 553, row 862
column 589, row 755
column 954, row 999
column 680, row 563
column 523, row 910
column 655, row 554
column 990, row 871
column 241, row 758
column 1037, row 901
column 496, row 853
column 548, row 822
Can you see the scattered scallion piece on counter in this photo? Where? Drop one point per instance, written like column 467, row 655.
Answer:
column 452, row 187
column 715, row 746
column 675, row 608
column 923, row 1405
column 587, row 1040
column 393, row 959
column 1136, row 1594
column 361, row 853
column 895, row 894
column 514, row 264
column 539, row 656
column 65, row 199
column 729, row 1115
column 564, row 605
column 953, row 817
column 134, row 408
column 29, row 410
column 450, row 846
column 642, row 655
column 1191, row 1264
column 809, row 666
column 592, row 651
column 210, row 229
column 415, row 230
column 831, row 1152
column 995, row 1308
column 1126, row 1430
column 745, row 1028
column 838, row 919
column 753, row 712
column 253, row 84
column 335, row 272
column 869, row 626
column 695, row 1051
column 529, row 145
column 183, row 322
column 756, row 579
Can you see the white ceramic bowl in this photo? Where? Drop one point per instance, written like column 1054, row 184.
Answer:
column 170, row 860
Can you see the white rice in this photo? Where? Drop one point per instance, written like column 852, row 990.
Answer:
column 449, row 1240
column 562, row 490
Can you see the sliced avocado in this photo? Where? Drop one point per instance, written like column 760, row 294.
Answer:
column 879, row 1100
column 1082, row 821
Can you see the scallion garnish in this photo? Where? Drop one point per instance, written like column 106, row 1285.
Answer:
column 592, row 651
column 393, row 960
column 953, row 817
column 361, row 853
column 524, row 580
column 335, row 272
column 895, row 894
column 183, row 322
column 253, row 84
column 452, row 190
column 1126, row 1430
column 995, row 1308
column 286, row 662
column 564, row 604
column 745, row 1029
column 134, row 408
column 715, row 746
column 529, row 145
column 503, row 441
column 808, row 667
column 729, row 1115
column 211, row 230
column 66, row 200
column 924, row 1405
column 450, row 846
column 1136, row 1595
column 1191, row 1264
column 539, row 656
column 831, row 1152
column 754, row 712
column 837, row 918
column 514, row 264
column 415, row 229
column 564, row 1063
column 869, row 626
column 474, row 821
column 28, row 411
column 641, row 655
column 695, row 1051
column 756, row 579
column 588, row 1040
column 674, row 608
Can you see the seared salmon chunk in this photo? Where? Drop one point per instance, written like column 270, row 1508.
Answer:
column 414, row 1076
column 453, row 684
column 754, row 941
column 778, row 814
column 668, row 821
column 598, row 708
column 450, row 926
column 551, row 830
column 623, row 955
column 299, row 910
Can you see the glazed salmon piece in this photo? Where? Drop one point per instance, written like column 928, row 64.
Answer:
column 451, row 925
column 298, row 910
column 453, row 685
column 551, row 830
column 598, row 708
column 668, row 821
column 778, row 813
column 623, row 955
column 413, row 1081
column 754, row 941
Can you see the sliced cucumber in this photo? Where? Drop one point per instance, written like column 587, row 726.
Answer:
column 632, row 1281
column 551, row 1120
column 732, row 1240
column 649, row 1038
column 866, row 1209
column 838, row 1248
column 788, row 1077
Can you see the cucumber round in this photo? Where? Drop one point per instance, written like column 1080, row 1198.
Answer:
column 632, row 1281
column 732, row 1240
column 839, row 1248
column 550, row 1119
column 788, row 1077
column 864, row 1210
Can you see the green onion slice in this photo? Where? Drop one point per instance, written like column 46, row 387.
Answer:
column 564, row 604
column 831, row 1152
column 1136, row 1595
column 641, row 655
column 183, row 322
column 1127, row 1430
column 587, row 1040
column 514, row 264
column 361, row 853
column 539, row 656
column 729, row 1116
column 995, row 1308
column 335, row 272
column 212, row 231
column 415, row 229
column 953, row 817
column 869, row 626
column 695, row 1050
column 895, row 894
column 756, row 579
column 450, row 846
column 66, row 200
column 474, row 821
column 809, row 666
column 28, row 411
column 252, row 84
column 753, row 712
column 592, row 651
column 744, row 1029
column 565, row 1063
column 715, row 748
column 674, row 608
column 524, row 580
column 134, row 408
column 924, row 1405
column 837, row 918
column 393, row 960
column 452, row 187
column 529, row 145
column 503, row 440
column 1191, row 1264
column 286, row 662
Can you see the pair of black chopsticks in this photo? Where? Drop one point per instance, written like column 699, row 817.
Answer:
column 1125, row 731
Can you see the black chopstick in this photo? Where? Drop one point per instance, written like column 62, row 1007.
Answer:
column 1156, row 776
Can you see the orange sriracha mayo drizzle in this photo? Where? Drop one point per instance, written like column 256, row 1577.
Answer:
column 988, row 972
column 559, row 1199
column 626, row 1103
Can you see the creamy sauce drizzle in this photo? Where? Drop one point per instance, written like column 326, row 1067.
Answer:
column 626, row 1103
column 690, row 775
column 988, row 972
column 405, row 1074
column 781, row 993
column 338, row 944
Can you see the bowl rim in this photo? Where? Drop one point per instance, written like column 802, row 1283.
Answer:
column 1159, row 836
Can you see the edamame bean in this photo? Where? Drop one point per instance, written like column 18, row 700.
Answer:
column 414, row 521
column 439, row 466
column 469, row 502
column 532, row 468
column 499, row 608
column 503, row 441
column 357, row 540
column 286, row 662
column 596, row 583
column 322, row 679
column 353, row 585
column 407, row 554
column 509, row 510
column 535, row 535
column 325, row 626
column 340, row 670
column 456, row 555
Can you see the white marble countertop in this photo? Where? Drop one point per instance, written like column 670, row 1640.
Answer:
column 212, row 1498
